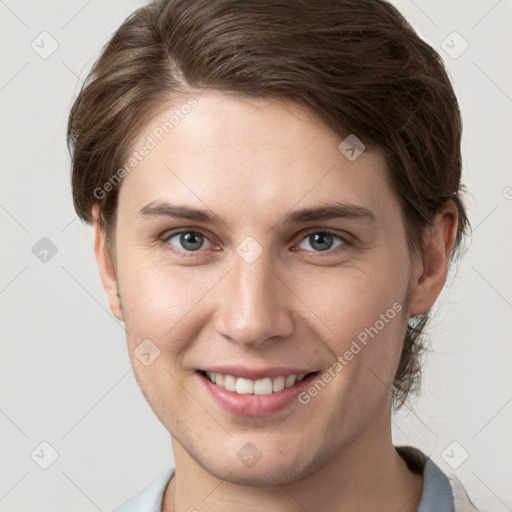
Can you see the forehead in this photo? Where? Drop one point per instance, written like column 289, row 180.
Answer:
column 264, row 154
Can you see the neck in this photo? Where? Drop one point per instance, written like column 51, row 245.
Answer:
column 367, row 475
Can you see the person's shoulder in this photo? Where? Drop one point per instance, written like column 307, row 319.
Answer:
column 462, row 501
column 150, row 498
column 441, row 492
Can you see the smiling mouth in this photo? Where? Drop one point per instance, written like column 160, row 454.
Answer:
column 264, row 386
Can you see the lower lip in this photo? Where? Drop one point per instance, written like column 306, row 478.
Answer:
column 255, row 405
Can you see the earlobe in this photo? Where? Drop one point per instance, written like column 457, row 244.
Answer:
column 431, row 267
column 106, row 266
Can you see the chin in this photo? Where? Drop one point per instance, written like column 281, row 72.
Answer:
column 260, row 475
column 271, row 470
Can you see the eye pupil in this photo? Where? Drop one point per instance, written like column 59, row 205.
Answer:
column 323, row 239
column 191, row 241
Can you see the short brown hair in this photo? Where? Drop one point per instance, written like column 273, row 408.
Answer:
column 356, row 64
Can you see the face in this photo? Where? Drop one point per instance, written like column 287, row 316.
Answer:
column 298, row 255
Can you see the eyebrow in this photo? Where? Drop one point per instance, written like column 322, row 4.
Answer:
column 330, row 211
column 164, row 209
column 321, row 212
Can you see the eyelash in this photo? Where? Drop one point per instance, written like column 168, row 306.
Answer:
column 346, row 242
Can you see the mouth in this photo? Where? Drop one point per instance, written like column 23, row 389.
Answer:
column 263, row 386
column 264, row 396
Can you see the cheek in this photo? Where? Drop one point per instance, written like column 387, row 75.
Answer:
column 161, row 307
column 362, row 319
column 157, row 297
column 349, row 300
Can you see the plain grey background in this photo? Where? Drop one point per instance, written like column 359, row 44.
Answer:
column 66, row 379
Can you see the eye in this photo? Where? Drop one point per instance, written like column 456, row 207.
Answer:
column 322, row 241
column 187, row 240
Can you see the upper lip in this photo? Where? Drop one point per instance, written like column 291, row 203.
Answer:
column 256, row 373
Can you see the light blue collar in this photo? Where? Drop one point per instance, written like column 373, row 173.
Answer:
column 437, row 493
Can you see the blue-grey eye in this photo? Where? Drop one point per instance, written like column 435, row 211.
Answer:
column 188, row 240
column 322, row 241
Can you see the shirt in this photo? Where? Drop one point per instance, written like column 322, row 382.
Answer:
column 441, row 493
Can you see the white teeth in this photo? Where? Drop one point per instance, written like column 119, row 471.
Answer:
column 290, row 381
column 264, row 386
column 229, row 383
column 244, row 386
column 278, row 384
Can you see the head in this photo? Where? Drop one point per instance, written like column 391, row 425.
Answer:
column 248, row 111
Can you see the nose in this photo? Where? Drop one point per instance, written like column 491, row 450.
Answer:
column 257, row 305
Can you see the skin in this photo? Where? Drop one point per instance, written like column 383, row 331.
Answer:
column 251, row 162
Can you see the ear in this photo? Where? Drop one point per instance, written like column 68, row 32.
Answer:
column 106, row 267
column 430, row 268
